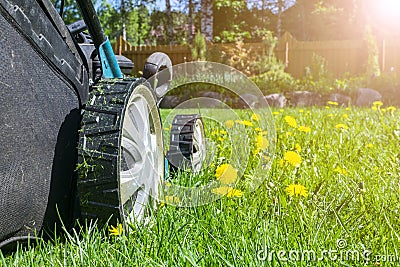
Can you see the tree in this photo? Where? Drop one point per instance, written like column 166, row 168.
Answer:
column 207, row 18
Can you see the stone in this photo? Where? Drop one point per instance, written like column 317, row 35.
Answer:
column 169, row 101
column 276, row 100
column 342, row 100
column 249, row 100
column 305, row 98
column 367, row 96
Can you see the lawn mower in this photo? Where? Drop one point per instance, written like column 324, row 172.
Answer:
column 79, row 139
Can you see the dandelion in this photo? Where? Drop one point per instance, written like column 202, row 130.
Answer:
column 345, row 116
column 296, row 190
column 167, row 128
column 291, row 121
column 370, row 145
column 304, row 129
column 223, row 132
column 228, row 191
column 301, row 110
column 255, row 117
column 383, row 110
column 262, row 143
column 289, row 134
column 341, row 171
column 377, row 103
column 115, row 231
column 281, row 162
column 348, row 108
column 245, row 123
column 282, row 110
column 276, row 113
column 342, row 126
column 216, row 132
column 298, row 147
column 327, row 107
column 229, row 123
column 333, row 103
column 257, row 129
column 226, row 174
column 292, row 158
column 172, row 199
column 391, row 109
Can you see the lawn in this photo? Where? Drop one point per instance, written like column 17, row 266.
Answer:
column 330, row 198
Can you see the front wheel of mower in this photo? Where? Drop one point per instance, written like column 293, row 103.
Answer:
column 121, row 160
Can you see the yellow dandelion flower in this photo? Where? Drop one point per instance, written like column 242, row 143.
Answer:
column 275, row 113
column 226, row 174
column 222, row 132
column 257, row 129
column 345, row 116
column 115, row 231
column 167, row 128
column 221, row 138
column 281, row 162
column 341, row 171
column 229, row 123
column 282, row 110
column 370, row 145
column 304, row 129
column 296, row 190
column 333, row 103
column 391, row 108
column 383, row 110
column 377, row 103
column 228, row 191
column 342, row 126
column 245, row 123
column 374, row 108
column 262, row 143
column 298, row 147
column 215, row 132
column 172, row 199
column 255, row 117
column 301, row 110
column 348, row 108
column 292, row 158
column 291, row 121
column 327, row 107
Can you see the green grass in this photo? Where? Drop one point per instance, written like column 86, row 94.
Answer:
column 347, row 213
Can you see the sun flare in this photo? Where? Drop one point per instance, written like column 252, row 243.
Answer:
column 388, row 9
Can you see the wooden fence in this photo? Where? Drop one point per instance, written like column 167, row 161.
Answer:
column 341, row 56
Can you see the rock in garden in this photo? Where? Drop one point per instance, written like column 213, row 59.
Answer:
column 250, row 100
column 276, row 100
column 366, row 96
column 213, row 95
column 342, row 100
column 169, row 101
column 305, row 98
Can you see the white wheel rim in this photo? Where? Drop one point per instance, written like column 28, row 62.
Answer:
column 199, row 146
column 142, row 160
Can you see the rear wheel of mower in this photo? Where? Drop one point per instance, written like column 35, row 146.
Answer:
column 121, row 160
column 187, row 147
